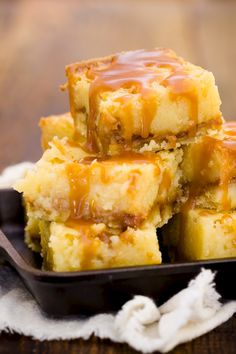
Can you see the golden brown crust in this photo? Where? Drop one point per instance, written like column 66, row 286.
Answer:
column 86, row 64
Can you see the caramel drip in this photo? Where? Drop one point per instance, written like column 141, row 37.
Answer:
column 182, row 85
column 202, row 160
column 79, row 175
column 79, row 181
column 136, row 71
column 81, row 225
column 89, row 241
column 125, row 157
column 134, row 158
column 165, row 183
column 127, row 116
column 202, row 155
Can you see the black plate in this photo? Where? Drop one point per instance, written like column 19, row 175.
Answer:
column 89, row 292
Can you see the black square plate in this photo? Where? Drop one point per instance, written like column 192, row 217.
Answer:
column 90, row 292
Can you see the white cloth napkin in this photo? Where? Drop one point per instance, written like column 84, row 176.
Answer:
column 12, row 173
column 140, row 323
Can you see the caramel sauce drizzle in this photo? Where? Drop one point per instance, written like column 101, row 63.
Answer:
column 136, row 71
column 79, row 176
column 125, row 157
column 90, row 240
column 79, row 181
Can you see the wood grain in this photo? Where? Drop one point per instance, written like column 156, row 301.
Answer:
column 220, row 340
column 38, row 38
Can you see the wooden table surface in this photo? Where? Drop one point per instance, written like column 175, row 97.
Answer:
column 37, row 40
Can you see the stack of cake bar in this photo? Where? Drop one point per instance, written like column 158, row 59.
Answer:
column 144, row 146
column 205, row 228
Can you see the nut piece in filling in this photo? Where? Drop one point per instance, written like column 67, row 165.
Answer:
column 125, row 100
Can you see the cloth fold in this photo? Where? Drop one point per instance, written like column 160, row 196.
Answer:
column 140, row 323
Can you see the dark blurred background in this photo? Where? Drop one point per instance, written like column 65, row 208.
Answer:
column 38, row 38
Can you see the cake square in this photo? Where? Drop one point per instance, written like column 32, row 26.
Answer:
column 211, row 159
column 200, row 233
column 126, row 100
column 82, row 246
column 126, row 190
